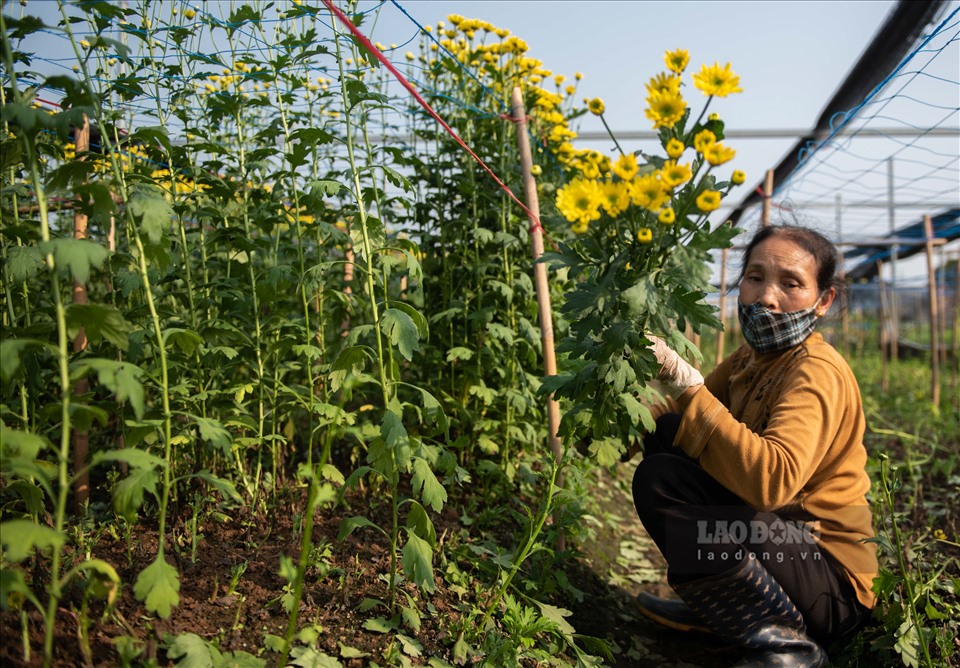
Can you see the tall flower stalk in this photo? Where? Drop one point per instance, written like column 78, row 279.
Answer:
column 54, row 589
column 640, row 255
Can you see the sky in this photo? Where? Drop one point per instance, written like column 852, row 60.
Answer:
column 791, row 57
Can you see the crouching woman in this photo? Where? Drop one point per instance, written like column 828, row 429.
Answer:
column 755, row 489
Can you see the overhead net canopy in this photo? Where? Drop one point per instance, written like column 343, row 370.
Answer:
column 884, row 153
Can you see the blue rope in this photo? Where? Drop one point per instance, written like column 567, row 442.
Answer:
column 807, row 152
column 486, row 91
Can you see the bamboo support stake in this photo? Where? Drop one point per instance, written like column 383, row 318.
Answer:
column 724, row 255
column 767, row 196
column 934, row 315
column 81, row 439
column 539, row 274
column 884, row 338
column 347, row 289
column 955, row 334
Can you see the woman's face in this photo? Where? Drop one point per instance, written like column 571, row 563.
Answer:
column 783, row 277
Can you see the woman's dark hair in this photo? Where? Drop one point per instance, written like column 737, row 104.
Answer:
column 825, row 254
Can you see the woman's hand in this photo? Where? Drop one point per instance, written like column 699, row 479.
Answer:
column 675, row 373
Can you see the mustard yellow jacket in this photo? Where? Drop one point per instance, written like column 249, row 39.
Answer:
column 784, row 431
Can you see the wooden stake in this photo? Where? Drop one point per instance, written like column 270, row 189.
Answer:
column 884, row 338
column 723, row 304
column 539, row 276
column 955, row 335
column 347, row 289
column 767, row 195
column 81, row 439
column 934, row 315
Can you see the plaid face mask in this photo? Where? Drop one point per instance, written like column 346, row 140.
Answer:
column 767, row 331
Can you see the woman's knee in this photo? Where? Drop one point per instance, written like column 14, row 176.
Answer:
column 654, row 481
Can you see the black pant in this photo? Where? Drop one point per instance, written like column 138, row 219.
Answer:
column 704, row 529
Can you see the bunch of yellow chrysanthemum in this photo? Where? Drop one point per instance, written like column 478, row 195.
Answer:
column 499, row 61
column 640, row 199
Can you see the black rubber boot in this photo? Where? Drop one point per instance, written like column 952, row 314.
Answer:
column 672, row 613
column 748, row 605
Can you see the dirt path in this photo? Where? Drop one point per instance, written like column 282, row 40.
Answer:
column 621, row 561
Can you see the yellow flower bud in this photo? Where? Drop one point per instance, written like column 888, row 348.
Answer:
column 675, row 148
column 596, row 106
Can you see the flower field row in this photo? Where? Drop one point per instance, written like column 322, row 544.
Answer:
column 239, row 265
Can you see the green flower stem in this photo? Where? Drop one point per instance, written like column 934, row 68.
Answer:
column 63, row 360
column 703, row 111
column 385, row 385
column 907, row 582
column 610, row 132
column 306, row 545
column 163, row 118
column 257, row 327
column 304, row 297
column 535, row 530
column 9, row 296
column 54, row 589
column 109, row 144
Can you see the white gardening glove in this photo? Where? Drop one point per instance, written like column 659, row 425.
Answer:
column 675, row 373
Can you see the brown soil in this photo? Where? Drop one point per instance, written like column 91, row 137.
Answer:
column 609, row 570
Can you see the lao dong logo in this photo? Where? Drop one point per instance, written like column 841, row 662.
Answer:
column 756, row 532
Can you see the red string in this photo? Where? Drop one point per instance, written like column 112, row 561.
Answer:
column 535, row 224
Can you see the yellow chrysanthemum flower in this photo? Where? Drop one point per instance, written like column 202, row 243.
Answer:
column 677, row 60
column 647, row 191
column 674, row 175
column 667, row 216
column 665, row 109
column 675, row 148
column 626, row 166
column 616, row 197
column 703, row 140
column 190, row 13
column 738, row 177
column 716, row 80
column 589, row 169
column 662, row 82
column 708, row 200
column 717, row 154
column 713, row 117
column 596, row 106
column 644, row 235
column 579, row 201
